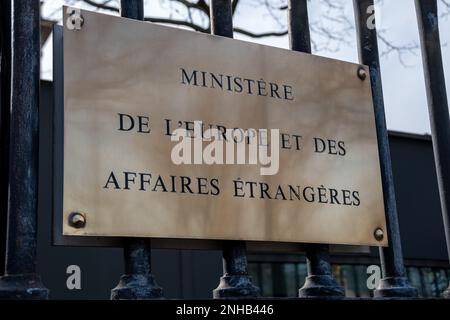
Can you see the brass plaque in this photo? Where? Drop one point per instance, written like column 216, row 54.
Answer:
column 128, row 85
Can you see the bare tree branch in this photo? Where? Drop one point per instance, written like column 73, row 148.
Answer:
column 199, row 5
column 260, row 35
column 333, row 29
column 101, row 5
column 203, row 6
column 401, row 50
column 446, row 4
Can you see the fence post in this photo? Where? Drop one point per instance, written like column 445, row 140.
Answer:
column 5, row 73
column 427, row 16
column 235, row 282
column 20, row 280
column 138, row 281
column 394, row 282
column 320, row 282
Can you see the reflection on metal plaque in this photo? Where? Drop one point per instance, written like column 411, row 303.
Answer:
column 128, row 85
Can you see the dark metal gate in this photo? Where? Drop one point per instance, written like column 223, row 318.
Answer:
column 20, row 73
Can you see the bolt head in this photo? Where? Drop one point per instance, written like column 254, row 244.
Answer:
column 77, row 220
column 362, row 74
column 378, row 234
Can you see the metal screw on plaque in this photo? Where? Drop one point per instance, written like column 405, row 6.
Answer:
column 378, row 234
column 77, row 220
column 74, row 20
column 362, row 74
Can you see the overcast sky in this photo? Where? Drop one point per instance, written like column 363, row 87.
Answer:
column 403, row 83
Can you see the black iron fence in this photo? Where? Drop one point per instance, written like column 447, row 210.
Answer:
column 20, row 72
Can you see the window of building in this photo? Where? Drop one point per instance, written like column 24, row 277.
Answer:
column 283, row 279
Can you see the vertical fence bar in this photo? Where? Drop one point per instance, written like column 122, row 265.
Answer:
column 20, row 280
column 5, row 87
column 394, row 282
column 320, row 282
column 427, row 16
column 235, row 282
column 138, row 281
column 132, row 9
